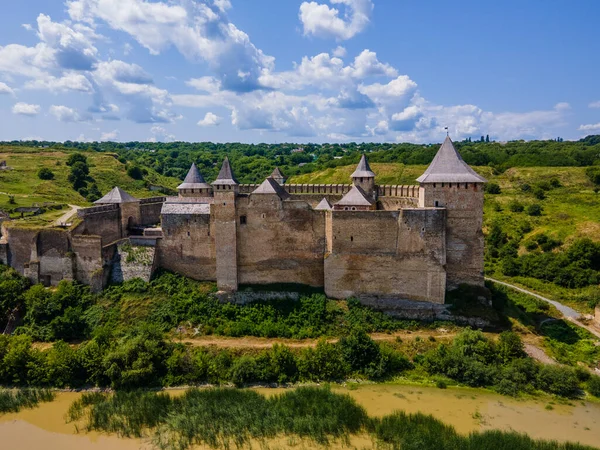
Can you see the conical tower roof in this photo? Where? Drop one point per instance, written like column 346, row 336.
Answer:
column 225, row 176
column 270, row 186
column 116, row 196
column 194, row 180
column 277, row 173
column 363, row 170
column 356, row 197
column 449, row 167
column 323, row 205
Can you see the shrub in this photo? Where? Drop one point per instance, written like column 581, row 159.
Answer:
column 593, row 385
column 492, row 188
column 244, row 370
column 75, row 158
column 534, row 209
column 360, row 352
column 559, row 380
column 510, row 346
column 324, row 362
column 516, row 206
column 45, row 174
column 135, row 172
column 539, row 193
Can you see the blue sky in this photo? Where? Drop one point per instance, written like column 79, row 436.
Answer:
column 301, row 71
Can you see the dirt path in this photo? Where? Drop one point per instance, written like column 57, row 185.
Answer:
column 261, row 343
column 66, row 216
column 567, row 312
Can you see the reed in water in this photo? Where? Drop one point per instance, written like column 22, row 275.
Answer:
column 13, row 400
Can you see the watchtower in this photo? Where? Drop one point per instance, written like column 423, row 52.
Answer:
column 225, row 191
column 364, row 178
column 194, row 184
column 450, row 183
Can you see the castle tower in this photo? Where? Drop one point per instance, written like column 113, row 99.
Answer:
column 194, row 185
column 225, row 190
column 278, row 176
column 450, row 183
column 129, row 208
column 364, row 178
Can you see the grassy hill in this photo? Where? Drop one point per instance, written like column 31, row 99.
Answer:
column 22, row 183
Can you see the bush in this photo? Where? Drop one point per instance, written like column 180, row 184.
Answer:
column 135, row 172
column 45, row 174
column 492, row 188
column 559, row 380
column 534, row 210
column 516, row 206
column 75, row 158
column 593, row 385
column 244, row 370
column 539, row 193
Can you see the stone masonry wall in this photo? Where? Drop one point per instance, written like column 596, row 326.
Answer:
column 89, row 263
column 280, row 241
column 103, row 221
column 187, row 246
column 397, row 254
column 132, row 261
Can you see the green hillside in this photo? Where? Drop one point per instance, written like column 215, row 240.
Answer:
column 22, row 184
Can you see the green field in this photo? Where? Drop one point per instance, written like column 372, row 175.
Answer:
column 22, row 183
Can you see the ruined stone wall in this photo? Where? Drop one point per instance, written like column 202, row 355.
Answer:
column 103, row 221
column 187, row 246
column 398, row 254
column 132, row 261
column 280, row 241
column 20, row 242
column 89, row 264
column 464, row 251
column 150, row 210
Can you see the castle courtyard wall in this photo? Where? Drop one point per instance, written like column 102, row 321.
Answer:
column 103, row 221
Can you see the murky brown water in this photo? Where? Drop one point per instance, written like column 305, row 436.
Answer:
column 467, row 410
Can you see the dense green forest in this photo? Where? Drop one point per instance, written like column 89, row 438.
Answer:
column 251, row 162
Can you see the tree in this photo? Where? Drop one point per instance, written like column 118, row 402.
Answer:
column 493, row 188
column 534, row 210
column 79, row 174
column 45, row 174
column 76, row 157
column 135, row 172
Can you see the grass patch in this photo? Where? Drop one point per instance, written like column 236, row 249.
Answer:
column 224, row 418
column 14, row 400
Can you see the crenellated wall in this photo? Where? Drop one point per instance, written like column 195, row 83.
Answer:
column 103, row 221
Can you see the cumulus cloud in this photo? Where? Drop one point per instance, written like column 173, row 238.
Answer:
column 5, row 89
column 26, row 109
column 590, row 127
column 68, row 82
column 594, row 104
column 210, row 120
column 109, row 135
column 160, row 134
column 64, row 113
column 321, row 20
column 201, row 31
column 339, row 52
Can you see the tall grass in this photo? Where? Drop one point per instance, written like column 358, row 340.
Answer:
column 225, row 418
column 13, row 400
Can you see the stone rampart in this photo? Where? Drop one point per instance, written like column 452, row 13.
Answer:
column 89, row 263
column 411, row 191
column 150, row 210
column 103, row 221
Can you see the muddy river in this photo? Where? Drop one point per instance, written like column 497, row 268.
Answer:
column 465, row 409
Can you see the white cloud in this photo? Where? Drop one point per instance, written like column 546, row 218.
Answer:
column 206, row 84
column 64, row 113
column 590, row 127
column 109, row 135
column 160, row 134
column 6, row 89
column 199, row 31
column 71, row 81
column 323, row 21
column 594, row 104
column 339, row 52
column 25, row 109
column 210, row 120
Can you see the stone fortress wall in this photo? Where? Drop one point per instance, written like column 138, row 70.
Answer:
column 374, row 242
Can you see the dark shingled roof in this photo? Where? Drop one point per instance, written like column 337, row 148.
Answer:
column 225, row 174
column 323, row 205
column 117, row 195
column 356, row 197
column 270, row 186
column 194, row 180
column 363, row 170
column 449, row 167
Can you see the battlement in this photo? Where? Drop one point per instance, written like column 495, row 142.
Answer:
column 83, row 212
column 152, row 200
column 408, row 191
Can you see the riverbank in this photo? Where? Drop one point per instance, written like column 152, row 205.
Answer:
column 466, row 409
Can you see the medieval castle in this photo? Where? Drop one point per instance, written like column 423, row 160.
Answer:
column 363, row 240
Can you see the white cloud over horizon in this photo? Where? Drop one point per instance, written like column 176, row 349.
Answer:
column 321, row 20
column 26, row 109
